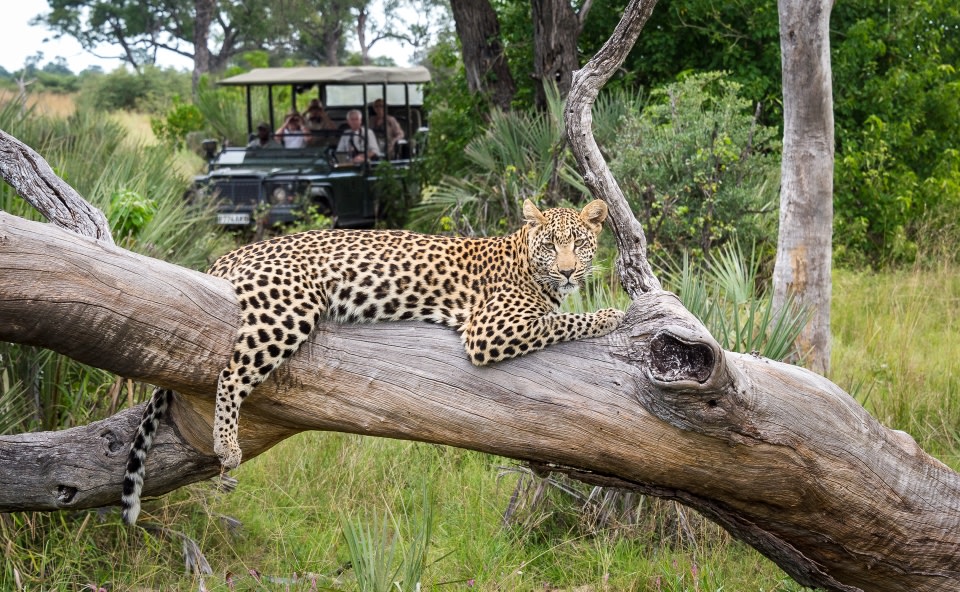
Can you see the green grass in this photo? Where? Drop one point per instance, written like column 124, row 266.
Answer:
column 896, row 348
column 290, row 502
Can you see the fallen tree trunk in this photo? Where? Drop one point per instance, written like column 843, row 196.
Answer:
column 779, row 456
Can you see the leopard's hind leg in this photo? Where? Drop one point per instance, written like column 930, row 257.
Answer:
column 272, row 331
column 133, row 478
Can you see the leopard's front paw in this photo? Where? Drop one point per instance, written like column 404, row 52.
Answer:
column 608, row 319
column 228, row 452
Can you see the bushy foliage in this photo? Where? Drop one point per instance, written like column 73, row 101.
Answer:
column 149, row 91
column 697, row 167
column 895, row 97
column 130, row 212
column 897, row 121
column 55, row 76
column 180, row 120
column 456, row 116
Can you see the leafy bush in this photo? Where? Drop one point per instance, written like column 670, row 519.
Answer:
column 697, row 167
column 897, row 119
column 149, row 91
column 456, row 115
column 179, row 121
column 129, row 213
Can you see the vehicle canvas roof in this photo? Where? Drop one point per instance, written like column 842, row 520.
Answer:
column 330, row 74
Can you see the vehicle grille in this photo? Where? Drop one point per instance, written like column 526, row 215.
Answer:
column 286, row 192
column 241, row 192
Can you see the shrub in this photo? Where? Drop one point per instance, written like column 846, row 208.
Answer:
column 180, row 120
column 456, row 115
column 697, row 167
column 897, row 120
column 149, row 91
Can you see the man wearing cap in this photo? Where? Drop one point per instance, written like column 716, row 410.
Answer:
column 264, row 138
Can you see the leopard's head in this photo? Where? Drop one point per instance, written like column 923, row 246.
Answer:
column 562, row 243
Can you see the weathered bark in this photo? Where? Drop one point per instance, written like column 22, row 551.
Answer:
column 483, row 59
column 30, row 175
column 632, row 266
column 804, row 247
column 779, row 456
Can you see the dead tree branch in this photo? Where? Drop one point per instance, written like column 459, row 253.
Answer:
column 33, row 179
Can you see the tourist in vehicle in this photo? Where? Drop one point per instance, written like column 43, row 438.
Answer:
column 386, row 127
column 317, row 118
column 359, row 142
column 264, row 138
column 319, row 122
column 294, row 132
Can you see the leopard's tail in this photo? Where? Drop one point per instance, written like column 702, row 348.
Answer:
column 133, row 478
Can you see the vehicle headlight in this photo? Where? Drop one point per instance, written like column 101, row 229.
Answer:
column 280, row 195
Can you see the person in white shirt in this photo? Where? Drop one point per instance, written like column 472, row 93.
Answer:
column 294, row 132
column 353, row 142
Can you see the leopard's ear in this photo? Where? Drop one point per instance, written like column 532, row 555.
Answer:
column 593, row 215
column 531, row 214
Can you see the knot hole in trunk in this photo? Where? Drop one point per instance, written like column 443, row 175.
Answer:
column 672, row 359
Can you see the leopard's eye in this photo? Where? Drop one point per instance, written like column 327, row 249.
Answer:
column 548, row 244
column 580, row 243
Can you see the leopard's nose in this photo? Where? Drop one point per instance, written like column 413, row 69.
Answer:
column 567, row 273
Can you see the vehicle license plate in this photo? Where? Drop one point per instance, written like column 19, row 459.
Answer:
column 233, row 219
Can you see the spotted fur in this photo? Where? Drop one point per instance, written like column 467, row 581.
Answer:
column 500, row 293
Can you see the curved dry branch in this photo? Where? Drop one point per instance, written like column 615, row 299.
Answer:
column 30, row 175
column 632, row 266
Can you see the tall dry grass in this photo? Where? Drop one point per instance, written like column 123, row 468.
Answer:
column 896, row 348
column 41, row 103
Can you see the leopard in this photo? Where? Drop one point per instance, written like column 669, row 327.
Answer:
column 501, row 293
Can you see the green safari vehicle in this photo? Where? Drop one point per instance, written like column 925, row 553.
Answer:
column 279, row 176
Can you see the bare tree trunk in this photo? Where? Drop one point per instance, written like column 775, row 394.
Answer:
column 804, row 247
column 204, row 10
column 362, row 35
column 556, row 28
column 487, row 69
column 331, row 32
column 777, row 455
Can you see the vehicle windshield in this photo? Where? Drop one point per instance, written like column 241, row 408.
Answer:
column 349, row 96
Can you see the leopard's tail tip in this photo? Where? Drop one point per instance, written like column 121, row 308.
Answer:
column 130, row 501
column 135, row 471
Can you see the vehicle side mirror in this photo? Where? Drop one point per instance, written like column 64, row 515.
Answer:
column 209, row 148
